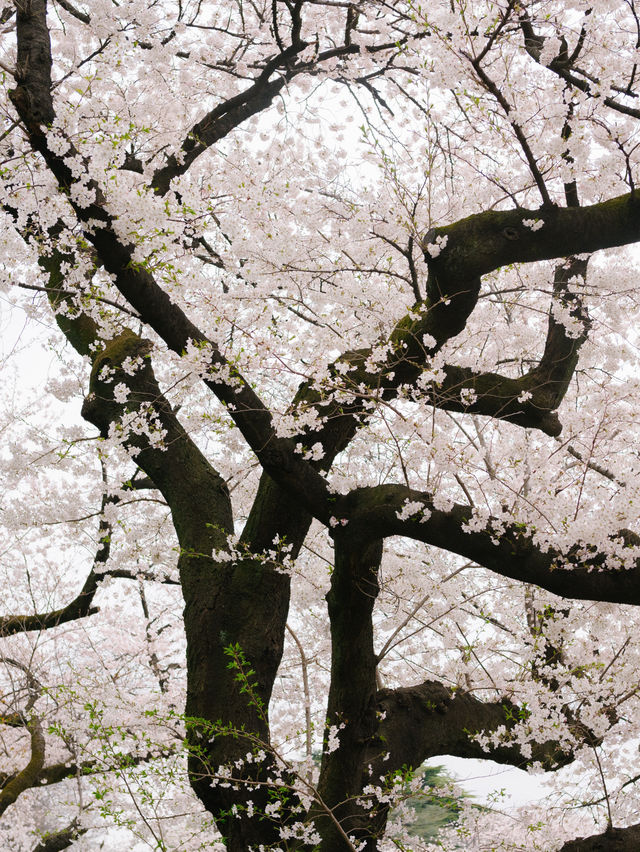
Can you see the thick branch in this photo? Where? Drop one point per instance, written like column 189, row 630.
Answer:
column 33, row 66
column 486, row 241
column 437, row 318
column 529, row 400
column 36, row 774
column 173, row 462
column 57, row 772
column 218, row 123
column 428, row 720
column 497, row 396
column 350, row 708
column 582, row 573
column 28, row 777
column 252, row 417
column 76, row 13
column 176, row 467
column 613, row 840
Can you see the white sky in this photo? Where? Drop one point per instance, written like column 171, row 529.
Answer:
column 484, row 779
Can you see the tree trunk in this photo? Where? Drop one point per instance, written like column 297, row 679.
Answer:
column 351, row 714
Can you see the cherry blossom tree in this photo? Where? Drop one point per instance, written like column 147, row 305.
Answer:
column 346, row 293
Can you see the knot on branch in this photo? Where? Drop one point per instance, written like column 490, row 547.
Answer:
column 124, row 360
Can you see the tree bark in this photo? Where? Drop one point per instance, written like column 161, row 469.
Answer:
column 613, row 840
column 351, row 710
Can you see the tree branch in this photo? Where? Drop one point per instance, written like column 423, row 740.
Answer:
column 491, row 87
column 174, row 463
column 228, row 115
column 530, row 400
column 80, row 606
column 582, row 573
column 613, row 840
column 56, row 841
column 28, row 777
column 350, row 707
column 33, row 65
column 563, row 66
column 486, row 241
column 428, row 720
